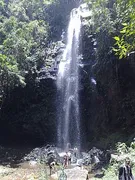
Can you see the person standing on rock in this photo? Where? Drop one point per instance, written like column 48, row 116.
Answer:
column 52, row 167
column 125, row 171
column 66, row 160
column 51, row 164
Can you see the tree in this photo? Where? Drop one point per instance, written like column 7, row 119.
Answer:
column 117, row 18
column 24, row 35
column 125, row 41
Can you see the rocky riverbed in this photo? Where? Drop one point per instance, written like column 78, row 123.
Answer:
column 29, row 163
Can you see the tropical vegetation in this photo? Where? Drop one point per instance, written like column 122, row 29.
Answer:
column 116, row 18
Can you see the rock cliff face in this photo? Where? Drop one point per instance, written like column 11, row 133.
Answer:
column 28, row 116
column 107, row 96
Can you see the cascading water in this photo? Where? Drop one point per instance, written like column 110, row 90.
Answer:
column 68, row 84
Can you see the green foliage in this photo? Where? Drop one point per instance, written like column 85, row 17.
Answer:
column 132, row 145
column 103, row 25
column 101, row 16
column 43, row 173
column 117, row 18
column 9, row 76
column 126, row 43
column 122, row 152
column 121, row 148
column 24, row 35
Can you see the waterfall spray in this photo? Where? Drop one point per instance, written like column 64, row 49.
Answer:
column 68, row 86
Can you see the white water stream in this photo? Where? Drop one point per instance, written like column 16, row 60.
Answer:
column 68, row 84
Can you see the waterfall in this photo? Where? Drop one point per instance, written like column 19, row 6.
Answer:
column 68, row 131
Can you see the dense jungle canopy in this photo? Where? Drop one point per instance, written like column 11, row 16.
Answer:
column 28, row 28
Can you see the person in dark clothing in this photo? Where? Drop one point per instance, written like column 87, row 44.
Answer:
column 107, row 156
column 52, row 167
column 125, row 171
column 51, row 164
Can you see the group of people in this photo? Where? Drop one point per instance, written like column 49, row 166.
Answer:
column 125, row 171
column 66, row 162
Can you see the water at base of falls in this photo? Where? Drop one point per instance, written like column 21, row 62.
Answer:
column 68, row 131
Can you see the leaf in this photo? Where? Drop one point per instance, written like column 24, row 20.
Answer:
column 123, row 31
column 117, row 38
column 115, row 50
column 124, row 24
